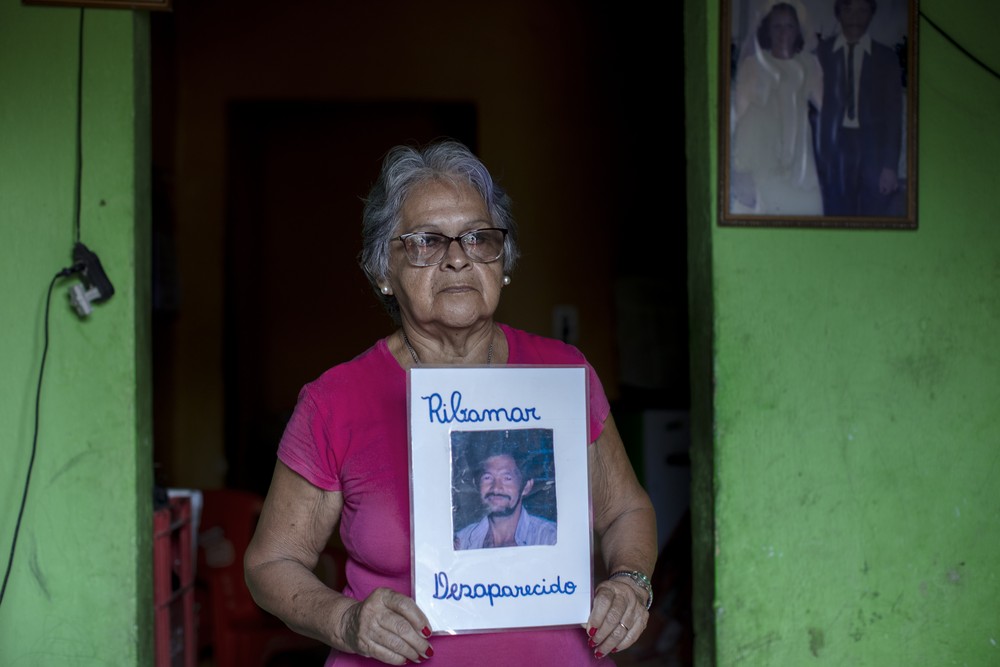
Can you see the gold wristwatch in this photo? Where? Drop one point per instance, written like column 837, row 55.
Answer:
column 640, row 579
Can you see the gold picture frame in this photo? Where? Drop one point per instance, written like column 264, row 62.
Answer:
column 148, row 5
column 799, row 146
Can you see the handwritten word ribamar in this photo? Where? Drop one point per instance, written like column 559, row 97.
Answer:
column 444, row 590
column 438, row 412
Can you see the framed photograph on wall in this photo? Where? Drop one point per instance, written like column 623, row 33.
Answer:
column 153, row 5
column 817, row 113
column 501, row 532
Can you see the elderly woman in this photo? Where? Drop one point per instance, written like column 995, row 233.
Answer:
column 439, row 244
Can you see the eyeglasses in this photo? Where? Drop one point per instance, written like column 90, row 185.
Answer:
column 429, row 248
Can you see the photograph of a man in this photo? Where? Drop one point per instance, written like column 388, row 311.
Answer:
column 504, row 468
column 859, row 134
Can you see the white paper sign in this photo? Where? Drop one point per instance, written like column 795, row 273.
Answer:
column 499, row 495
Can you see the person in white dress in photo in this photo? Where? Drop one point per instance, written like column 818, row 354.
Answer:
column 778, row 81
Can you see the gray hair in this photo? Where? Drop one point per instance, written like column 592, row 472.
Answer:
column 405, row 167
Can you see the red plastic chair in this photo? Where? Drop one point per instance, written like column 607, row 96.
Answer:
column 231, row 625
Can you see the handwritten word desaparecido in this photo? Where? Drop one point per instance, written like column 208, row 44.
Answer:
column 445, row 590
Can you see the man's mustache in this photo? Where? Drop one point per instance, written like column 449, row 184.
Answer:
column 498, row 495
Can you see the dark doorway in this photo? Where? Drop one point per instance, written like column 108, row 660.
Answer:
column 296, row 302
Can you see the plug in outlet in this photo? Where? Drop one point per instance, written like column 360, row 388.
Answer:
column 96, row 286
column 566, row 324
column 80, row 298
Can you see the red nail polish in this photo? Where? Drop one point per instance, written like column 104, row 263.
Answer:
column 592, row 632
column 598, row 655
column 426, row 632
column 614, row 650
column 429, row 652
column 591, row 643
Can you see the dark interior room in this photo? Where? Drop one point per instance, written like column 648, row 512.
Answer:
column 269, row 124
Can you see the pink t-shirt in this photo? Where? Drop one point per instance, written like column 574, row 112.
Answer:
column 349, row 434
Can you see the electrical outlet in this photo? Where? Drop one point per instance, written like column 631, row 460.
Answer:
column 96, row 286
column 566, row 324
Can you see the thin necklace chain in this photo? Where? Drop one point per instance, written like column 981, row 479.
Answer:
column 416, row 360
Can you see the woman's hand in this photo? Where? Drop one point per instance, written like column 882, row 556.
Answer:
column 617, row 618
column 386, row 626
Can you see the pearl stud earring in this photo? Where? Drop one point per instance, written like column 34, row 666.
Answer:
column 506, row 280
column 385, row 290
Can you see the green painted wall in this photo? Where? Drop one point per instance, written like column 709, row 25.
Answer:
column 850, row 447
column 80, row 592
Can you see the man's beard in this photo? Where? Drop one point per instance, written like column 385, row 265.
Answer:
column 503, row 511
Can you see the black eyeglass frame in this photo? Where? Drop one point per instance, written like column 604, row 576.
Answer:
column 503, row 243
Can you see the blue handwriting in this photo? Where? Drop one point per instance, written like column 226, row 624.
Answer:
column 445, row 590
column 454, row 412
